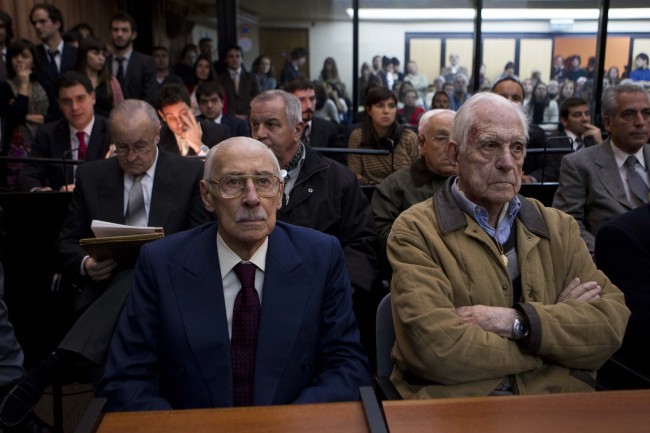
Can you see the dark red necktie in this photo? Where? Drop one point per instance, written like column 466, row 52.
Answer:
column 81, row 151
column 245, row 325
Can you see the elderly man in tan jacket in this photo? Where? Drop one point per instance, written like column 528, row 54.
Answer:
column 493, row 293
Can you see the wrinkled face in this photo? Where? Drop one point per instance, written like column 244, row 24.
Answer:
column 577, row 120
column 269, row 124
column 23, row 59
column 45, row 28
column 96, row 60
column 433, row 145
column 136, row 140
column 244, row 221
column 233, row 59
column 511, row 91
column 202, row 69
column 161, row 58
column 307, row 103
column 173, row 115
column 383, row 113
column 629, row 129
column 122, row 34
column 441, row 100
column 210, row 106
column 77, row 105
column 490, row 167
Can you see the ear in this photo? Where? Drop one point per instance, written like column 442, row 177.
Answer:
column 135, row 35
column 92, row 97
column 452, row 153
column 607, row 122
column 205, row 196
column 564, row 121
column 297, row 130
column 162, row 116
column 421, row 141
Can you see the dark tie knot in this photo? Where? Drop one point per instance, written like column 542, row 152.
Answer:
column 53, row 53
column 246, row 274
column 631, row 161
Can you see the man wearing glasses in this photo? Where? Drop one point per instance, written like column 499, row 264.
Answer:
column 249, row 312
column 170, row 198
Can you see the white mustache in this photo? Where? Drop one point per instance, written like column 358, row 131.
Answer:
column 250, row 215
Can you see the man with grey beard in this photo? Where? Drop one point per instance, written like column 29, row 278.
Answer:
column 249, row 312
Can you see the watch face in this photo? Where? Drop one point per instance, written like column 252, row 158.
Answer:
column 519, row 329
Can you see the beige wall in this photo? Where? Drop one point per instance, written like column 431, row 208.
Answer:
column 535, row 54
column 496, row 53
column 426, row 53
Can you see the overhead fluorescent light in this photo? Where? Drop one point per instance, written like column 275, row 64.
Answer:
column 413, row 14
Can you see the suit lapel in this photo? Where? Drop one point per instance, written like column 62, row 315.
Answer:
column 609, row 175
column 197, row 283
column 111, row 189
column 96, row 148
column 164, row 193
column 285, row 292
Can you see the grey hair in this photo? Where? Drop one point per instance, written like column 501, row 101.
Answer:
column 212, row 156
column 126, row 112
column 466, row 121
column 424, row 119
column 609, row 104
column 292, row 107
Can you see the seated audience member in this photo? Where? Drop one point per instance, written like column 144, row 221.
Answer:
column 537, row 167
column 608, row 179
column 141, row 186
column 339, row 206
column 623, row 254
column 325, row 107
column 182, row 133
column 419, row 81
column 567, row 90
column 11, row 370
column 23, row 104
column 210, row 98
column 80, row 135
column 330, row 74
column 84, row 29
column 416, row 183
column 460, row 94
column 542, row 110
column 411, row 112
column 557, row 70
column 641, row 74
column 91, row 62
column 575, row 70
column 454, row 68
column 203, row 72
column 185, row 66
column 262, row 69
column 291, row 68
column 440, row 100
column 289, row 282
column 575, row 120
column 380, row 130
column 613, row 76
column 493, row 293
column 163, row 74
column 318, row 132
column 366, row 80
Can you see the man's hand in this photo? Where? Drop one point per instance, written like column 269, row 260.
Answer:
column 498, row 320
column 99, row 271
column 582, row 292
column 593, row 131
column 67, row 188
column 192, row 131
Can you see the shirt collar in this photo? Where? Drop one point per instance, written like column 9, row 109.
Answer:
column 87, row 130
column 621, row 156
column 228, row 258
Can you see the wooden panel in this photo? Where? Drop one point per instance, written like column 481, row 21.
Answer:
column 277, row 43
column 535, row 54
column 496, row 53
column 426, row 53
column 616, row 53
column 465, row 49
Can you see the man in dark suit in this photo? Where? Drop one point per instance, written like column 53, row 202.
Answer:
column 576, row 123
column 55, row 56
column 135, row 71
column 163, row 74
column 6, row 35
column 182, row 133
column 79, row 135
column 240, row 85
column 623, row 254
column 210, row 96
column 608, row 179
column 286, row 285
column 169, row 187
column 318, row 132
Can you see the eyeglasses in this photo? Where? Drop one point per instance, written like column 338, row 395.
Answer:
column 140, row 149
column 629, row 115
column 233, row 186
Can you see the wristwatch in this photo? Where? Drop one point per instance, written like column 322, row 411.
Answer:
column 519, row 328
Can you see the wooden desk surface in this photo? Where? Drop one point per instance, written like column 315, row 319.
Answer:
column 603, row 411
column 309, row 418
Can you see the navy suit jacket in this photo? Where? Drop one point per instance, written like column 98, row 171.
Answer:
column 238, row 127
column 52, row 140
column 140, row 78
column 49, row 76
column 171, row 347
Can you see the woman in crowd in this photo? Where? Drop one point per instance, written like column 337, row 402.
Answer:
column 325, row 106
column 23, row 104
column 91, row 61
column 330, row 74
column 366, row 81
column 203, row 71
column 262, row 69
column 380, row 130
column 567, row 90
column 542, row 110
column 185, row 66
column 440, row 99
column 613, row 76
column 411, row 112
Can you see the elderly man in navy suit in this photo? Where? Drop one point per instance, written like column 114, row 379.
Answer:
column 276, row 299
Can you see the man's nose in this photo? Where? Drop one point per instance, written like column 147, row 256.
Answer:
column 505, row 160
column 250, row 192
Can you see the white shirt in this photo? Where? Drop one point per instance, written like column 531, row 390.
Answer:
column 231, row 284
column 74, row 140
column 147, row 186
column 573, row 137
column 620, row 162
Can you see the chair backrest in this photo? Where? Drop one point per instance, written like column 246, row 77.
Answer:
column 385, row 337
